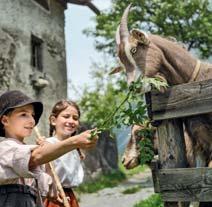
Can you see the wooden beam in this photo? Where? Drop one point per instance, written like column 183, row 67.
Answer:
column 186, row 184
column 86, row 3
column 155, row 169
column 171, row 149
column 181, row 101
column 64, row 3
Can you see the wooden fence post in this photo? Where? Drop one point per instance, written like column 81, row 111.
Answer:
column 172, row 153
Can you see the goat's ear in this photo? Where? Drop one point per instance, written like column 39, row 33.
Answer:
column 140, row 36
column 116, row 70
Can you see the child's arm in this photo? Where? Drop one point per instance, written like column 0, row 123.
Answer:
column 48, row 151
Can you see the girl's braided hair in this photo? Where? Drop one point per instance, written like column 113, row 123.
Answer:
column 57, row 109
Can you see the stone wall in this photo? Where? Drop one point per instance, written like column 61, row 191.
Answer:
column 20, row 19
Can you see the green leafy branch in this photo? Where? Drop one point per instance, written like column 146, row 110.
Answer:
column 132, row 110
column 146, row 144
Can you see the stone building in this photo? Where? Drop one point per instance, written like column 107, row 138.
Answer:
column 32, row 49
column 33, row 60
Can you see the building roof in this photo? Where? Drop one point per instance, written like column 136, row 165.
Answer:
column 86, row 3
column 82, row 3
column 64, row 3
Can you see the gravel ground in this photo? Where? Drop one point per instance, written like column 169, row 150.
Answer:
column 113, row 197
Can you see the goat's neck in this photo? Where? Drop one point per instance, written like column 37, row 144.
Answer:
column 205, row 72
column 177, row 65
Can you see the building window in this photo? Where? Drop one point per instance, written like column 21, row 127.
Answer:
column 36, row 53
column 43, row 3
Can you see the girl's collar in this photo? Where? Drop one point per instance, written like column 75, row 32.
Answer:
column 16, row 140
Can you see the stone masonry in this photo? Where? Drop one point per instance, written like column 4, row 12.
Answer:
column 21, row 20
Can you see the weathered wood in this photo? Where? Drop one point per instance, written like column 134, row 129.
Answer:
column 191, row 184
column 171, row 148
column 172, row 144
column 181, row 101
column 176, row 185
column 155, row 169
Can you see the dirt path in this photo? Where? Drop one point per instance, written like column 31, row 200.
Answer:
column 113, row 197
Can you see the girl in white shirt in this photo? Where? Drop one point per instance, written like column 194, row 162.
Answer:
column 64, row 122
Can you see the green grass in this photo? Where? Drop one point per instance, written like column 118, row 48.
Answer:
column 132, row 190
column 136, row 170
column 104, row 181
column 109, row 180
column 153, row 201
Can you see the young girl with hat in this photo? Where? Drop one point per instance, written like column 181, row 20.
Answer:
column 21, row 169
column 64, row 122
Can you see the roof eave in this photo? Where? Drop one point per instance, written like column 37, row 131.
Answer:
column 85, row 3
column 64, row 3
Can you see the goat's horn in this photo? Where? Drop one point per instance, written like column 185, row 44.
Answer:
column 124, row 32
column 118, row 35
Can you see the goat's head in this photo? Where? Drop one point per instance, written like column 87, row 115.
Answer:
column 135, row 51
column 130, row 159
column 132, row 154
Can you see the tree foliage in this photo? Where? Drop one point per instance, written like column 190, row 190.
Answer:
column 188, row 21
column 98, row 102
column 111, row 105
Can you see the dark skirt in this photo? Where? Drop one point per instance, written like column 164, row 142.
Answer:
column 16, row 195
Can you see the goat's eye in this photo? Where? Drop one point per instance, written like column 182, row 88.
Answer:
column 133, row 50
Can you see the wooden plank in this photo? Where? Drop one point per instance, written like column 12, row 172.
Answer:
column 155, row 169
column 181, row 101
column 171, row 144
column 190, row 184
column 171, row 148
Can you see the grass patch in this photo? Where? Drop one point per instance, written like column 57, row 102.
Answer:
column 153, row 201
column 109, row 180
column 132, row 190
column 104, row 181
column 136, row 170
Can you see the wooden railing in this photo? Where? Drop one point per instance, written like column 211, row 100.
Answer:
column 171, row 178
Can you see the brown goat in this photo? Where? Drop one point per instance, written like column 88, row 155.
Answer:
column 132, row 154
column 155, row 56
column 131, row 157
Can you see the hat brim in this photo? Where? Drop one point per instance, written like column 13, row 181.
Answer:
column 38, row 109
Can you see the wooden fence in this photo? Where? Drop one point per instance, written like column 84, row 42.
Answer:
column 171, row 178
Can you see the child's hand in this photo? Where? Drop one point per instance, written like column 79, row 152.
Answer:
column 40, row 140
column 94, row 134
column 57, row 199
column 53, row 194
column 83, row 140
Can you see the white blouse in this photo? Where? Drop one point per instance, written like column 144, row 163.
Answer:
column 14, row 165
column 68, row 167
